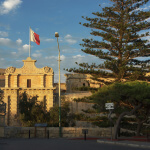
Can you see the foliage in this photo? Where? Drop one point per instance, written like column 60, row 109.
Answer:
column 128, row 98
column 123, row 95
column 84, row 99
column 81, row 117
column 102, row 121
column 132, row 125
column 32, row 111
column 97, row 120
column 127, row 134
column 67, row 118
column 102, row 124
column 85, row 88
column 1, row 96
column 89, row 111
column 128, row 125
column 123, row 29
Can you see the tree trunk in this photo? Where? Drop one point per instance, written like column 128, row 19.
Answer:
column 140, row 123
column 117, row 125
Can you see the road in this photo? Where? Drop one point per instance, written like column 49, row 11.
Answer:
column 59, row 144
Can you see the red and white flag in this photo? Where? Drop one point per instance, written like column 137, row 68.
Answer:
column 34, row 37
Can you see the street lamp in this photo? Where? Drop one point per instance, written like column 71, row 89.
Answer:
column 57, row 35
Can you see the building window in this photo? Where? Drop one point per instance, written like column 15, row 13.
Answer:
column 45, row 101
column 83, row 84
column 28, row 83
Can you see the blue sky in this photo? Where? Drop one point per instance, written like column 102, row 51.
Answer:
column 45, row 17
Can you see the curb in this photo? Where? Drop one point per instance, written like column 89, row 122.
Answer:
column 124, row 144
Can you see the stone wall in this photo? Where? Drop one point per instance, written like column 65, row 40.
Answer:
column 77, row 107
column 2, row 132
column 71, row 96
column 2, row 120
column 23, row 132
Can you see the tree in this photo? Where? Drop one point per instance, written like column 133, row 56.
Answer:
column 128, row 98
column 32, row 111
column 1, row 96
column 67, row 118
column 122, row 28
column 2, row 104
column 142, row 116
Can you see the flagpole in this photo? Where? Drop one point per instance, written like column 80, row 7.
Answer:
column 29, row 42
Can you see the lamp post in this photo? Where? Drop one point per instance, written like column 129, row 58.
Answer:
column 57, row 35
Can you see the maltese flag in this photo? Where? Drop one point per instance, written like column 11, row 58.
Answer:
column 34, row 37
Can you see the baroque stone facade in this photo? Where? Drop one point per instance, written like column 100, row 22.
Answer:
column 34, row 81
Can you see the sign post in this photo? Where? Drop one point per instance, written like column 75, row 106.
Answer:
column 110, row 107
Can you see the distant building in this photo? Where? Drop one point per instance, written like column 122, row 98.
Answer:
column 76, row 80
column 2, row 77
column 34, row 81
column 62, row 86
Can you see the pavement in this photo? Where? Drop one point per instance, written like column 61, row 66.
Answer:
column 91, row 143
column 140, row 142
column 62, row 143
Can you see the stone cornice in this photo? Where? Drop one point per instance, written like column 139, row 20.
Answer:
column 9, row 88
column 29, row 68
column 38, row 88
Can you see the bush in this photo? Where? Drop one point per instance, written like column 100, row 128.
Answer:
column 32, row 111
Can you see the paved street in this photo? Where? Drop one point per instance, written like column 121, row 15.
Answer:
column 59, row 144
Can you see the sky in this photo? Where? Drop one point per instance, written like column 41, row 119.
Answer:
column 45, row 17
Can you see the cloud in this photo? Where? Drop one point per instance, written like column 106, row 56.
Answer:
column 14, row 44
column 51, row 57
column 6, row 42
column 3, row 34
column 69, row 39
column 68, row 36
column 2, row 59
column 48, row 40
column 24, row 48
column 36, row 55
column 69, row 50
column 9, row 5
column 78, row 56
column 62, row 57
column 5, row 26
column 36, row 29
column 19, row 41
column 13, row 53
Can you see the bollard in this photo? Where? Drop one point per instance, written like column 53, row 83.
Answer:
column 29, row 134
column 85, row 136
column 85, row 131
column 48, row 134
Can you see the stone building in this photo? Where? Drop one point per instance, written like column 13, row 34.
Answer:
column 34, row 81
column 77, row 80
column 2, row 77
